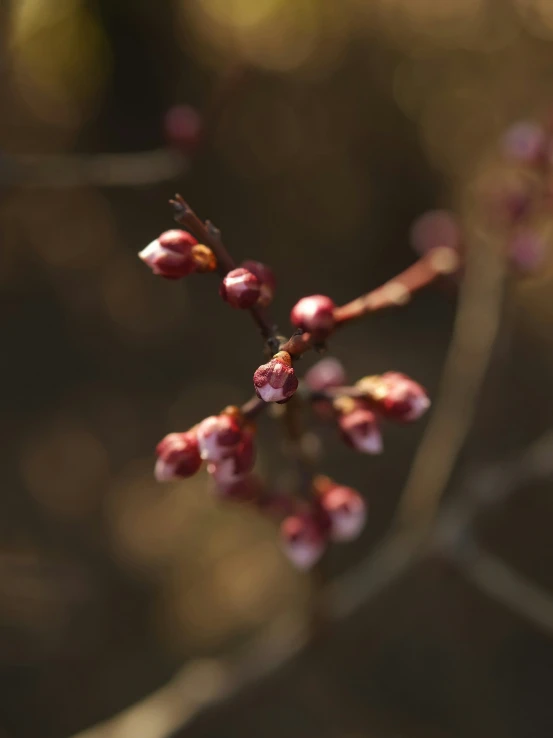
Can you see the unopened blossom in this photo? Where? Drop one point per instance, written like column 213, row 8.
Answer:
column 276, row 381
column 435, row 229
column 304, row 538
column 218, row 436
column 346, row 510
column 170, row 255
column 240, row 288
column 178, row 455
column 327, row 372
column 314, row 314
column 266, row 278
column 236, row 465
column 396, row 396
column 359, row 428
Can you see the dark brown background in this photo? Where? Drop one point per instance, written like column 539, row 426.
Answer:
column 349, row 119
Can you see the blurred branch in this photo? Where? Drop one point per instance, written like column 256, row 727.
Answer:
column 102, row 170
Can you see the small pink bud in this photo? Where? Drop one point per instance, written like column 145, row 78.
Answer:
column 525, row 142
column 183, row 127
column 236, row 465
column 346, row 510
column 527, row 250
column 266, row 277
column 276, row 381
column 434, row 229
column 170, row 255
column 178, row 456
column 304, row 537
column 396, row 396
column 360, row 430
column 240, row 288
column 219, row 436
column 314, row 314
column 325, row 373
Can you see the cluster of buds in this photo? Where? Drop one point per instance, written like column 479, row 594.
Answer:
column 359, row 409
column 224, row 441
column 323, row 511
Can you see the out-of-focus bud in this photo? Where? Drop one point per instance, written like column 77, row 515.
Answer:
column 219, row 436
column 176, row 254
column 182, row 126
column 434, row 229
column 525, row 143
column 276, row 381
column 395, row 396
column 314, row 314
column 358, row 426
column 326, row 373
column 240, row 288
column 346, row 510
column 527, row 250
column 304, row 537
column 178, row 455
column 266, row 278
column 236, row 465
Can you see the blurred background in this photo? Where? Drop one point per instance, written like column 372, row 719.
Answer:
column 328, row 127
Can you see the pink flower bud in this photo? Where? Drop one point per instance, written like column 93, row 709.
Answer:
column 236, row 465
column 266, row 278
column 314, row 314
column 527, row 250
column 219, row 436
column 276, row 381
column 170, row 255
column 178, row 456
column 240, row 288
column 346, row 510
column 396, row 396
column 304, row 537
column 325, row 373
column 525, row 142
column 434, row 229
column 183, row 127
column 360, row 430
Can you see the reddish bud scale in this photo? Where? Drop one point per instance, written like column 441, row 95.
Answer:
column 240, row 288
column 276, row 381
column 178, row 456
column 266, row 278
column 314, row 314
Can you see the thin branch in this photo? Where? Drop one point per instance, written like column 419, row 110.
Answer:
column 209, row 235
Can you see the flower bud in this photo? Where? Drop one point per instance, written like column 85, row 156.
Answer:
column 178, row 456
column 219, row 436
column 326, row 373
column 304, row 537
column 183, row 127
column 314, row 314
column 276, row 381
column 359, row 429
column 396, row 396
column 240, row 288
column 525, row 142
column 266, row 278
column 346, row 511
column 236, row 465
column 170, row 255
column 435, row 229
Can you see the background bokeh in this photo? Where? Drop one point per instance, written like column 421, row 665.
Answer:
column 331, row 125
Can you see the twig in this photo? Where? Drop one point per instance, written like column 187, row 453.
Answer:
column 209, row 235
